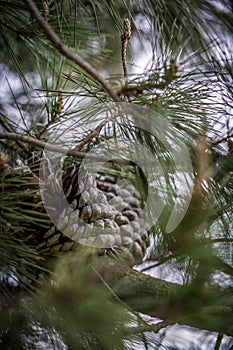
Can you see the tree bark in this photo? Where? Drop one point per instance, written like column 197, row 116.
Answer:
column 204, row 309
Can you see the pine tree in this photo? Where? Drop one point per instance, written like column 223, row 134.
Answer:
column 116, row 166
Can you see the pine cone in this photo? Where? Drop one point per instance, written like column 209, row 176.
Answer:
column 112, row 208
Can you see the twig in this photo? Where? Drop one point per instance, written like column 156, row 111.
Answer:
column 59, row 45
column 91, row 135
column 54, row 148
column 125, row 38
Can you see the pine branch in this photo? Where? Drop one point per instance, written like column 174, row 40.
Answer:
column 70, row 152
column 59, row 45
column 172, row 302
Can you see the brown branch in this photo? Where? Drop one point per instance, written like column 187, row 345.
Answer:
column 89, row 137
column 172, row 302
column 59, row 45
column 93, row 133
column 58, row 149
